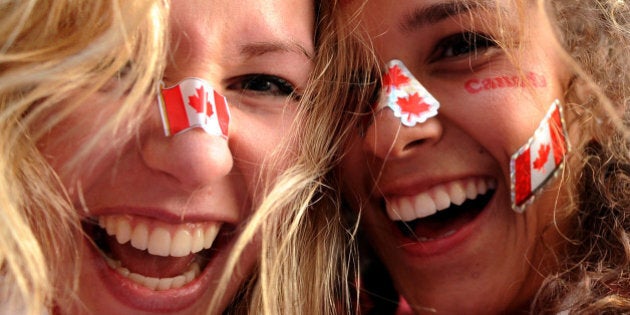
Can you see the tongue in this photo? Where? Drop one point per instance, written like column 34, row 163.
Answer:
column 141, row 262
column 445, row 222
column 442, row 224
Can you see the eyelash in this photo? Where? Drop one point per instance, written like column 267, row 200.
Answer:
column 116, row 80
column 468, row 44
column 263, row 84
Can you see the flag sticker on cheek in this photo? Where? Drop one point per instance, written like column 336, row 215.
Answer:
column 535, row 163
column 404, row 94
column 193, row 103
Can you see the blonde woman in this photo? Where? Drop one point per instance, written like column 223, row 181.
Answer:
column 108, row 207
column 308, row 252
column 494, row 176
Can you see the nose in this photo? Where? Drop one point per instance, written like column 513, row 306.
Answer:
column 388, row 138
column 193, row 158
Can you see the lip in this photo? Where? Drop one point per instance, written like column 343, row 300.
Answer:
column 445, row 245
column 162, row 215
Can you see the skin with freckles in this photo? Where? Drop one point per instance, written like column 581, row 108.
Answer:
column 161, row 213
column 449, row 261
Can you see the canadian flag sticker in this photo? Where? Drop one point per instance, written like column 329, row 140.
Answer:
column 404, row 94
column 535, row 163
column 193, row 103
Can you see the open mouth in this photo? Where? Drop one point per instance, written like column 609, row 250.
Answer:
column 441, row 211
column 155, row 255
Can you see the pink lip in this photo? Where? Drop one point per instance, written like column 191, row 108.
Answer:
column 144, row 299
column 442, row 246
column 161, row 215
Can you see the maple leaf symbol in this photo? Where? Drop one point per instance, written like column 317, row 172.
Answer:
column 413, row 105
column 196, row 101
column 543, row 155
column 395, row 78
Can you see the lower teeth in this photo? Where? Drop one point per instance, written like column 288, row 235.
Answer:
column 426, row 239
column 156, row 284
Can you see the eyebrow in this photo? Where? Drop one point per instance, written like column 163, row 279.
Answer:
column 261, row 48
column 435, row 13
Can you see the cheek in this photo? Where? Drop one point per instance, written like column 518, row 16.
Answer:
column 72, row 151
column 498, row 121
column 501, row 112
column 353, row 167
column 259, row 147
column 78, row 170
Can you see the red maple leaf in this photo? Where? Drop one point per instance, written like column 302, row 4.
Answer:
column 394, row 78
column 543, row 156
column 413, row 105
column 196, row 101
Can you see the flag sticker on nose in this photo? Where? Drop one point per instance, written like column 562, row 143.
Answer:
column 535, row 163
column 193, row 103
column 404, row 94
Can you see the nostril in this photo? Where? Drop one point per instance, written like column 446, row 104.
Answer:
column 414, row 144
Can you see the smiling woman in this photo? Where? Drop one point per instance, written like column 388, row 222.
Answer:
column 513, row 196
column 113, row 204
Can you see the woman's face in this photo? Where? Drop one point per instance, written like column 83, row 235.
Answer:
column 176, row 202
column 480, row 257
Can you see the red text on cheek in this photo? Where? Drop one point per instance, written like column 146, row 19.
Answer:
column 530, row 79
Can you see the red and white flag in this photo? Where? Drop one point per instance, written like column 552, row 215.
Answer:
column 193, row 103
column 404, row 94
column 535, row 163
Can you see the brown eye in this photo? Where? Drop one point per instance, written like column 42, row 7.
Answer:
column 463, row 44
column 263, row 84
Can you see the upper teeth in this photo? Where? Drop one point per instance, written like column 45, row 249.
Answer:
column 440, row 197
column 159, row 238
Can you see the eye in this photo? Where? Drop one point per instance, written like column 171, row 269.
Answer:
column 117, row 80
column 262, row 84
column 467, row 44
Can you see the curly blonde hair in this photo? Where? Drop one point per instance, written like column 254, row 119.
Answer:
column 594, row 272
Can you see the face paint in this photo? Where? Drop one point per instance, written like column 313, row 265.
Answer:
column 532, row 79
column 535, row 163
column 409, row 100
column 193, row 103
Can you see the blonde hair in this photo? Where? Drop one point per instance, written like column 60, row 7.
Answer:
column 63, row 49
column 307, row 253
column 54, row 51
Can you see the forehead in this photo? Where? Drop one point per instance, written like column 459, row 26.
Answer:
column 380, row 15
column 412, row 22
column 221, row 29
